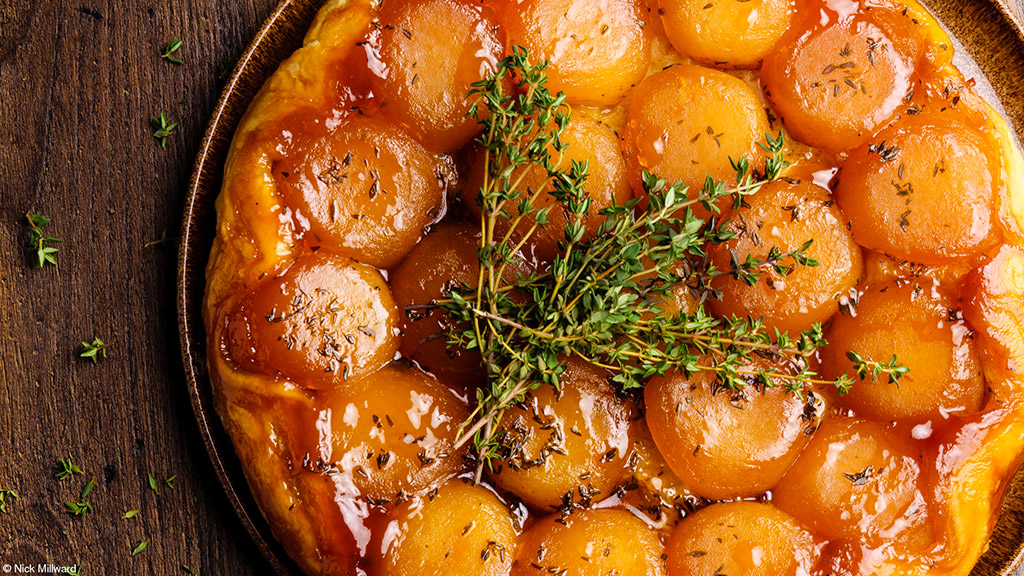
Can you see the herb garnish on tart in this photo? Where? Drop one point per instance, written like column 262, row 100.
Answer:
column 603, row 297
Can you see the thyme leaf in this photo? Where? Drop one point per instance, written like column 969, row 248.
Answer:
column 88, row 488
column 140, row 548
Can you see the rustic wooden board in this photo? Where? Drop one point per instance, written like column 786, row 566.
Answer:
column 78, row 83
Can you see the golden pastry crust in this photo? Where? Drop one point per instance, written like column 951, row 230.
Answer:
column 267, row 415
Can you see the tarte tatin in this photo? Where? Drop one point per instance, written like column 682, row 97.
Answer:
column 350, row 203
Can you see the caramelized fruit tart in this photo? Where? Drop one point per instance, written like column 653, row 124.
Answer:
column 747, row 278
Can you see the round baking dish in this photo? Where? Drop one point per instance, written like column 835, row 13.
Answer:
column 991, row 47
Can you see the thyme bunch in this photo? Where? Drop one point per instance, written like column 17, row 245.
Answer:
column 602, row 298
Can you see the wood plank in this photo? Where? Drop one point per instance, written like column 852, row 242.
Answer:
column 78, row 83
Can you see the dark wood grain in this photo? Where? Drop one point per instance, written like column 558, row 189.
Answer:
column 78, row 82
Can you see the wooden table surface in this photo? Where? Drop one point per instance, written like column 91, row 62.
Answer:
column 79, row 82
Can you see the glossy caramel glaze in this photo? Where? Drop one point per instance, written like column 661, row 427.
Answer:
column 349, row 196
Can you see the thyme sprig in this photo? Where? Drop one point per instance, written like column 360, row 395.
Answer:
column 173, row 46
column 94, row 350
column 78, row 509
column 164, row 238
column 892, row 369
column 66, row 468
column 162, row 128
column 39, row 242
column 602, row 298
